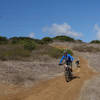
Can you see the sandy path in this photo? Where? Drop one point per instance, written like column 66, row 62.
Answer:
column 58, row 89
column 54, row 89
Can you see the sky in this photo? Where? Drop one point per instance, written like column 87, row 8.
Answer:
column 79, row 19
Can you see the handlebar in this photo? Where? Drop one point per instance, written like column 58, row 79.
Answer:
column 60, row 64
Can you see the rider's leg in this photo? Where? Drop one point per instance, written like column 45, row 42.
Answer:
column 65, row 66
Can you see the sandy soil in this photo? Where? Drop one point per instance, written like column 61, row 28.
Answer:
column 54, row 89
column 91, row 89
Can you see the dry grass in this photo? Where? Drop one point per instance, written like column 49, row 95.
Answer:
column 91, row 90
column 86, row 49
column 21, row 72
column 13, row 52
column 92, row 58
column 17, row 52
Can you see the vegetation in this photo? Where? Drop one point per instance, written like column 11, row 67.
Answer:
column 29, row 45
column 23, row 40
column 3, row 40
column 70, row 52
column 13, row 52
column 95, row 41
column 54, row 52
column 20, row 40
column 50, row 51
column 47, row 40
column 64, row 38
column 21, row 48
column 57, row 53
column 47, row 50
column 79, row 41
column 87, row 49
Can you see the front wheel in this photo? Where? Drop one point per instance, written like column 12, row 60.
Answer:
column 68, row 75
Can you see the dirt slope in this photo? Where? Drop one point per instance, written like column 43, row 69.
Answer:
column 58, row 89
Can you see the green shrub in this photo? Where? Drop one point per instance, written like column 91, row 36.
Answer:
column 39, row 41
column 20, row 40
column 29, row 45
column 50, row 51
column 14, row 42
column 3, row 40
column 13, row 52
column 55, row 52
column 95, row 41
column 24, row 47
column 64, row 38
column 47, row 40
column 70, row 52
column 79, row 40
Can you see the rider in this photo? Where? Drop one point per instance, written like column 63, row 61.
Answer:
column 68, row 59
column 78, row 63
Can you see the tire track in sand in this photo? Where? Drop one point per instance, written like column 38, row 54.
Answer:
column 58, row 89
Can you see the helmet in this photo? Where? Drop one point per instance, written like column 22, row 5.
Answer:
column 65, row 52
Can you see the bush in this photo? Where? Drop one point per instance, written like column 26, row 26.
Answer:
column 13, row 52
column 70, row 52
column 64, row 38
column 50, row 51
column 47, row 40
column 55, row 52
column 79, row 40
column 3, row 40
column 95, row 41
column 20, row 40
column 39, row 41
column 47, row 50
column 23, row 47
column 29, row 45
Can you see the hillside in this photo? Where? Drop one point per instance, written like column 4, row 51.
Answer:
column 28, row 66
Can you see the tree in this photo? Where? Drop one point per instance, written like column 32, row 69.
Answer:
column 3, row 40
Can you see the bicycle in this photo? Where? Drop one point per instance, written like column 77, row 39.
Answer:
column 68, row 73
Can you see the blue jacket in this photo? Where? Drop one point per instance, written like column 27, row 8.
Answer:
column 64, row 57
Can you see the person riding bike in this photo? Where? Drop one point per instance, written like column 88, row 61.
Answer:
column 78, row 63
column 68, row 60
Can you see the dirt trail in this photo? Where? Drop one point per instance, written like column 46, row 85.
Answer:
column 58, row 89
column 54, row 89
